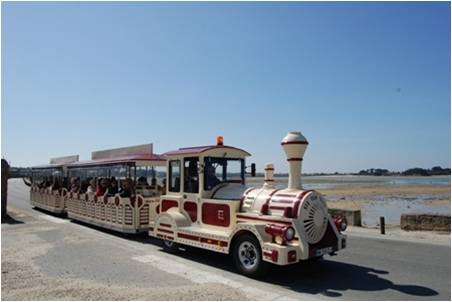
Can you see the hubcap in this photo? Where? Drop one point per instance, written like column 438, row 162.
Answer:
column 168, row 243
column 248, row 255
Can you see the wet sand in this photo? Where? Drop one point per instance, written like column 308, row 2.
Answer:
column 379, row 196
column 353, row 197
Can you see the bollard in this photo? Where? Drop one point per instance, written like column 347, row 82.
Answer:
column 5, row 175
column 382, row 225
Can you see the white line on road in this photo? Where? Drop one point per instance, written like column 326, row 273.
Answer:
column 200, row 276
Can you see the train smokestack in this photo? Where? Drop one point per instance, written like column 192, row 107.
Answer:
column 269, row 180
column 294, row 145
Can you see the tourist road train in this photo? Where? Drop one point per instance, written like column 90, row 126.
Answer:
column 200, row 199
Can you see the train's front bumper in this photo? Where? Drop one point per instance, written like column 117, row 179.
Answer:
column 295, row 251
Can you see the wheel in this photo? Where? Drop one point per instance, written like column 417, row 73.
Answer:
column 247, row 255
column 171, row 246
column 313, row 260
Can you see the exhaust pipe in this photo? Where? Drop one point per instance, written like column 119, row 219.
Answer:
column 294, row 145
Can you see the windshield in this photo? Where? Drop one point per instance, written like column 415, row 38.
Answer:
column 219, row 170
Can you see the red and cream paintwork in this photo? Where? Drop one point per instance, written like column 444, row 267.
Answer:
column 123, row 214
column 215, row 219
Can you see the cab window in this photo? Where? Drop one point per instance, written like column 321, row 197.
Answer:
column 220, row 170
column 191, row 179
column 174, row 176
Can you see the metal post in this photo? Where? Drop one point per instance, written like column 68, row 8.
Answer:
column 5, row 175
column 382, row 225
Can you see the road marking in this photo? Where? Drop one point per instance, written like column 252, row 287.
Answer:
column 200, row 276
column 53, row 219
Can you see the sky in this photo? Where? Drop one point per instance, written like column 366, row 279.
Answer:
column 368, row 84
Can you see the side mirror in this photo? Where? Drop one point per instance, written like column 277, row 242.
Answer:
column 253, row 170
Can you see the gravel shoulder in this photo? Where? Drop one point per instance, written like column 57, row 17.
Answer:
column 28, row 244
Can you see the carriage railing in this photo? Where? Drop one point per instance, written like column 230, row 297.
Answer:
column 120, row 213
column 47, row 198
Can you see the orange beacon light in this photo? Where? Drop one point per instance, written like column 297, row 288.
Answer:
column 220, row 140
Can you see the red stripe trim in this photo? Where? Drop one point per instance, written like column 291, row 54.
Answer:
column 278, row 208
column 295, row 159
column 283, row 201
column 214, row 241
column 188, row 236
column 273, row 192
column 263, row 219
column 295, row 143
column 275, row 223
column 165, row 237
column 264, row 208
column 285, row 195
column 248, row 190
column 297, row 203
column 269, row 180
column 165, row 231
column 165, row 225
column 302, row 194
column 202, row 239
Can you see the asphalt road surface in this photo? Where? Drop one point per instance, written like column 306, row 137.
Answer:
column 54, row 258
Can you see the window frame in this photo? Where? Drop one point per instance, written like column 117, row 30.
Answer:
column 170, row 175
column 224, row 172
column 187, row 159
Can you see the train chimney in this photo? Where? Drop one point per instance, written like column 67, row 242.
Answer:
column 269, row 180
column 294, row 145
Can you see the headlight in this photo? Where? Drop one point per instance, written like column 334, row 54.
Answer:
column 289, row 234
column 343, row 224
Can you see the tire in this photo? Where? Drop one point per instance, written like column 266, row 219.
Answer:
column 247, row 256
column 313, row 260
column 171, row 246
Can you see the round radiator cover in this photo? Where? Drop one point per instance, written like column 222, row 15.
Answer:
column 314, row 217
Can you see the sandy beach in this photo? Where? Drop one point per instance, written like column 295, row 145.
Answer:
column 355, row 196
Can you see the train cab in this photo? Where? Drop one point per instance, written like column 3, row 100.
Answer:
column 202, row 184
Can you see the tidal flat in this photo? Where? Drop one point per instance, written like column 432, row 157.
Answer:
column 375, row 196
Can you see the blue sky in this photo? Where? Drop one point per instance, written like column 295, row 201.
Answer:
column 368, row 84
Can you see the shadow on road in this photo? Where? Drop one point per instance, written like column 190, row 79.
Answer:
column 43, row 211
column 326, row 277
column 11, row 220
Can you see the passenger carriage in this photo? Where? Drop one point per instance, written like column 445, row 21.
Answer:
column 208, row 205
column 43, row 192
column 129, row 214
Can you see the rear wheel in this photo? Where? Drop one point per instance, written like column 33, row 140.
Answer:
column 171, row 246
column 247, row 256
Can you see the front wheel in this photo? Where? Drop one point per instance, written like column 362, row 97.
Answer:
column 247, row 255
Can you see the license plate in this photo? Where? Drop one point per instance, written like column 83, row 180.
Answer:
column 326, row 250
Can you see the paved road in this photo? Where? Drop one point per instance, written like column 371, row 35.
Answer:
column 370, row 269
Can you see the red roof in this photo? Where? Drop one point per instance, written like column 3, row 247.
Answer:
column 121, row 159
column 201, row 149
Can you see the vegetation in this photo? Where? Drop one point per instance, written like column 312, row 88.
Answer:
column 437, row 170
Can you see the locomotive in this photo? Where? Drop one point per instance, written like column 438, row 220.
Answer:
column 256, row 225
